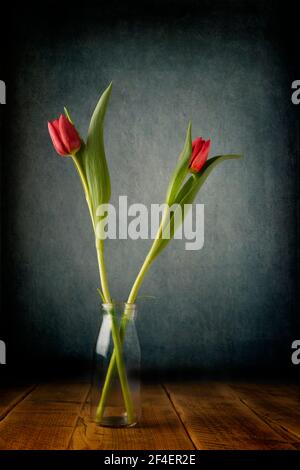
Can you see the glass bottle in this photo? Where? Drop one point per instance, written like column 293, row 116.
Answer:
column 115, row 393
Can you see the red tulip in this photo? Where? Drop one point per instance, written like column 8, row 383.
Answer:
column 64, row 136
column 200, row 151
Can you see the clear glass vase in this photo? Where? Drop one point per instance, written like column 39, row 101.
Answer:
column 115, row 393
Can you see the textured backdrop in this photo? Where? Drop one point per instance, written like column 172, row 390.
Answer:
column 230, row 305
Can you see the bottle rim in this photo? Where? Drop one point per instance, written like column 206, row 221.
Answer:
column 131, row 306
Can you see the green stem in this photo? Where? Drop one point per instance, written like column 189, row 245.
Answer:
column 118, row 357
column 122, row 371
column 102, row 270
column 148, row 261
column 110, row 373
column 85, row 187
column 105, row 289
column 131, row 299
column 112, row 364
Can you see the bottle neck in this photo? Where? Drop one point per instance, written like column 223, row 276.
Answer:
column 121, row 310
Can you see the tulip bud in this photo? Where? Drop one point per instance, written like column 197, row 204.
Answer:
column 64, row 136
column 200, row 151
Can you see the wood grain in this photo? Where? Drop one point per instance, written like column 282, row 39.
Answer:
column 176, row 416
column 277, row 405
column 160, row 428
column 215, row 418
column 45, row 419
column 10, row 396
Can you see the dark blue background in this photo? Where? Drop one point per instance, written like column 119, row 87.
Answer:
column 226, row 66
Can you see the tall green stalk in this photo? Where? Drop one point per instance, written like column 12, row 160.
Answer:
column 118, row 358
column 131, row 299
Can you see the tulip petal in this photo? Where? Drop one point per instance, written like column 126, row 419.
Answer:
column 199, row 159
column 55, row 137
column 55, row 125
column 196, row 147
column 68, row 134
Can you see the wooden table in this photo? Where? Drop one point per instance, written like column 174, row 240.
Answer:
column 176, row 416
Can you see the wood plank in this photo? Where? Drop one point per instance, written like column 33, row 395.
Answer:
column 277, row 405
column 45, row 419
column 160, row 428
column 10, row 396
column 215, row 418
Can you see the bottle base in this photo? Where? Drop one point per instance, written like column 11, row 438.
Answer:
column 115, row 422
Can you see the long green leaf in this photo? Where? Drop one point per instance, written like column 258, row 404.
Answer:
column 187, row 195
column 95, row 164
column 181, row 168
